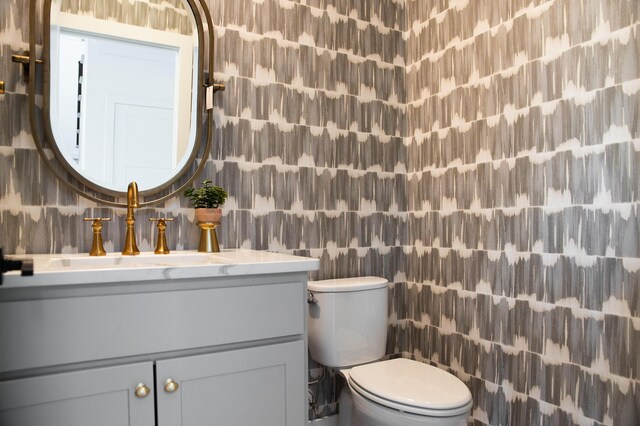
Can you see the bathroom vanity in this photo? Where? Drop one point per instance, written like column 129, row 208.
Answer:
column 182, row 339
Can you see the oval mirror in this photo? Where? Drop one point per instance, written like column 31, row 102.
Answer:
column 122, row 91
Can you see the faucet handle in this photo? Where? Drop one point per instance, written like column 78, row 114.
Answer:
column 97, row 247
column 161, row 244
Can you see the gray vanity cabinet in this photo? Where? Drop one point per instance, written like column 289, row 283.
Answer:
column 254, row 386
column 233, row 351
column 246, row 387
column 97, row 397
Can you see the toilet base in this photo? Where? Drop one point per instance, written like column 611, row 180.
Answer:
column 345, row 407
column 355, row 410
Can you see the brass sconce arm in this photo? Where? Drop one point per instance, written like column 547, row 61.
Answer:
column 25, row 61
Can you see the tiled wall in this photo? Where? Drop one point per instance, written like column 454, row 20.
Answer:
column 523, row 190
column 482, row 155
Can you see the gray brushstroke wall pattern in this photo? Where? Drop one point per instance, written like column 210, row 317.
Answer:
column 165, row 15
column 523, row 149
column 481, row 155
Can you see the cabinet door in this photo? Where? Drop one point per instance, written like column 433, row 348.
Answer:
column 98, row 397
column 248, row 387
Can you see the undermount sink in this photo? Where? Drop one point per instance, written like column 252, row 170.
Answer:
column 119, row 260
column 82, row 269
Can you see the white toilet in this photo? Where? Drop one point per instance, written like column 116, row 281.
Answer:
column 348, row 330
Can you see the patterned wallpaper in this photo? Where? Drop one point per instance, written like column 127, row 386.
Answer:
column 308, row 142
column 311, row 126
column 165, row 15
column 481, row 155
column 523, row 276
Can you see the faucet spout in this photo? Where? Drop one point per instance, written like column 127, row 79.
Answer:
column 130, row 245
column 132, row 195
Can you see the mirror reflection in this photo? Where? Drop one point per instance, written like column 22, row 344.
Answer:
column 123, row 77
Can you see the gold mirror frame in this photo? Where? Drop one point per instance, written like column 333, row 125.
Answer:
column 40, row 11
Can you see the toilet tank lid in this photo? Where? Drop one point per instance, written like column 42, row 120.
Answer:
column 347, row 284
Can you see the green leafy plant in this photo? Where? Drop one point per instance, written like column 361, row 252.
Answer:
column 207, row 196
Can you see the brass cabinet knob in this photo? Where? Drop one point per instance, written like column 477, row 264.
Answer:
column 142, row 390
column 170, row 386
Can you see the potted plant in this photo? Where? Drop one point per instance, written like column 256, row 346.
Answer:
column 207, row 201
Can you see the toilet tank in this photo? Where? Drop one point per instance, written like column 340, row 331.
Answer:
column 347, row 320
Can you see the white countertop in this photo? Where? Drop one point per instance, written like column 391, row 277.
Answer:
column 61, row 269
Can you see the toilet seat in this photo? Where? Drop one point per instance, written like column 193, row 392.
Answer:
column 412, row 387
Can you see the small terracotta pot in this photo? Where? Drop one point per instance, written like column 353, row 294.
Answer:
column 208, row 215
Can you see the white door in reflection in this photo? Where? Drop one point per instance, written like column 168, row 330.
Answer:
column 126, row 111
column 136, row 125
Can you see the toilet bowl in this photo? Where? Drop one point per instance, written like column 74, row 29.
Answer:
column 404, row 392
column 347, row 330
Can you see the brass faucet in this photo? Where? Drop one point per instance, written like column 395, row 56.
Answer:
column 161, row 245
column 97, row 247
column 130, row 246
